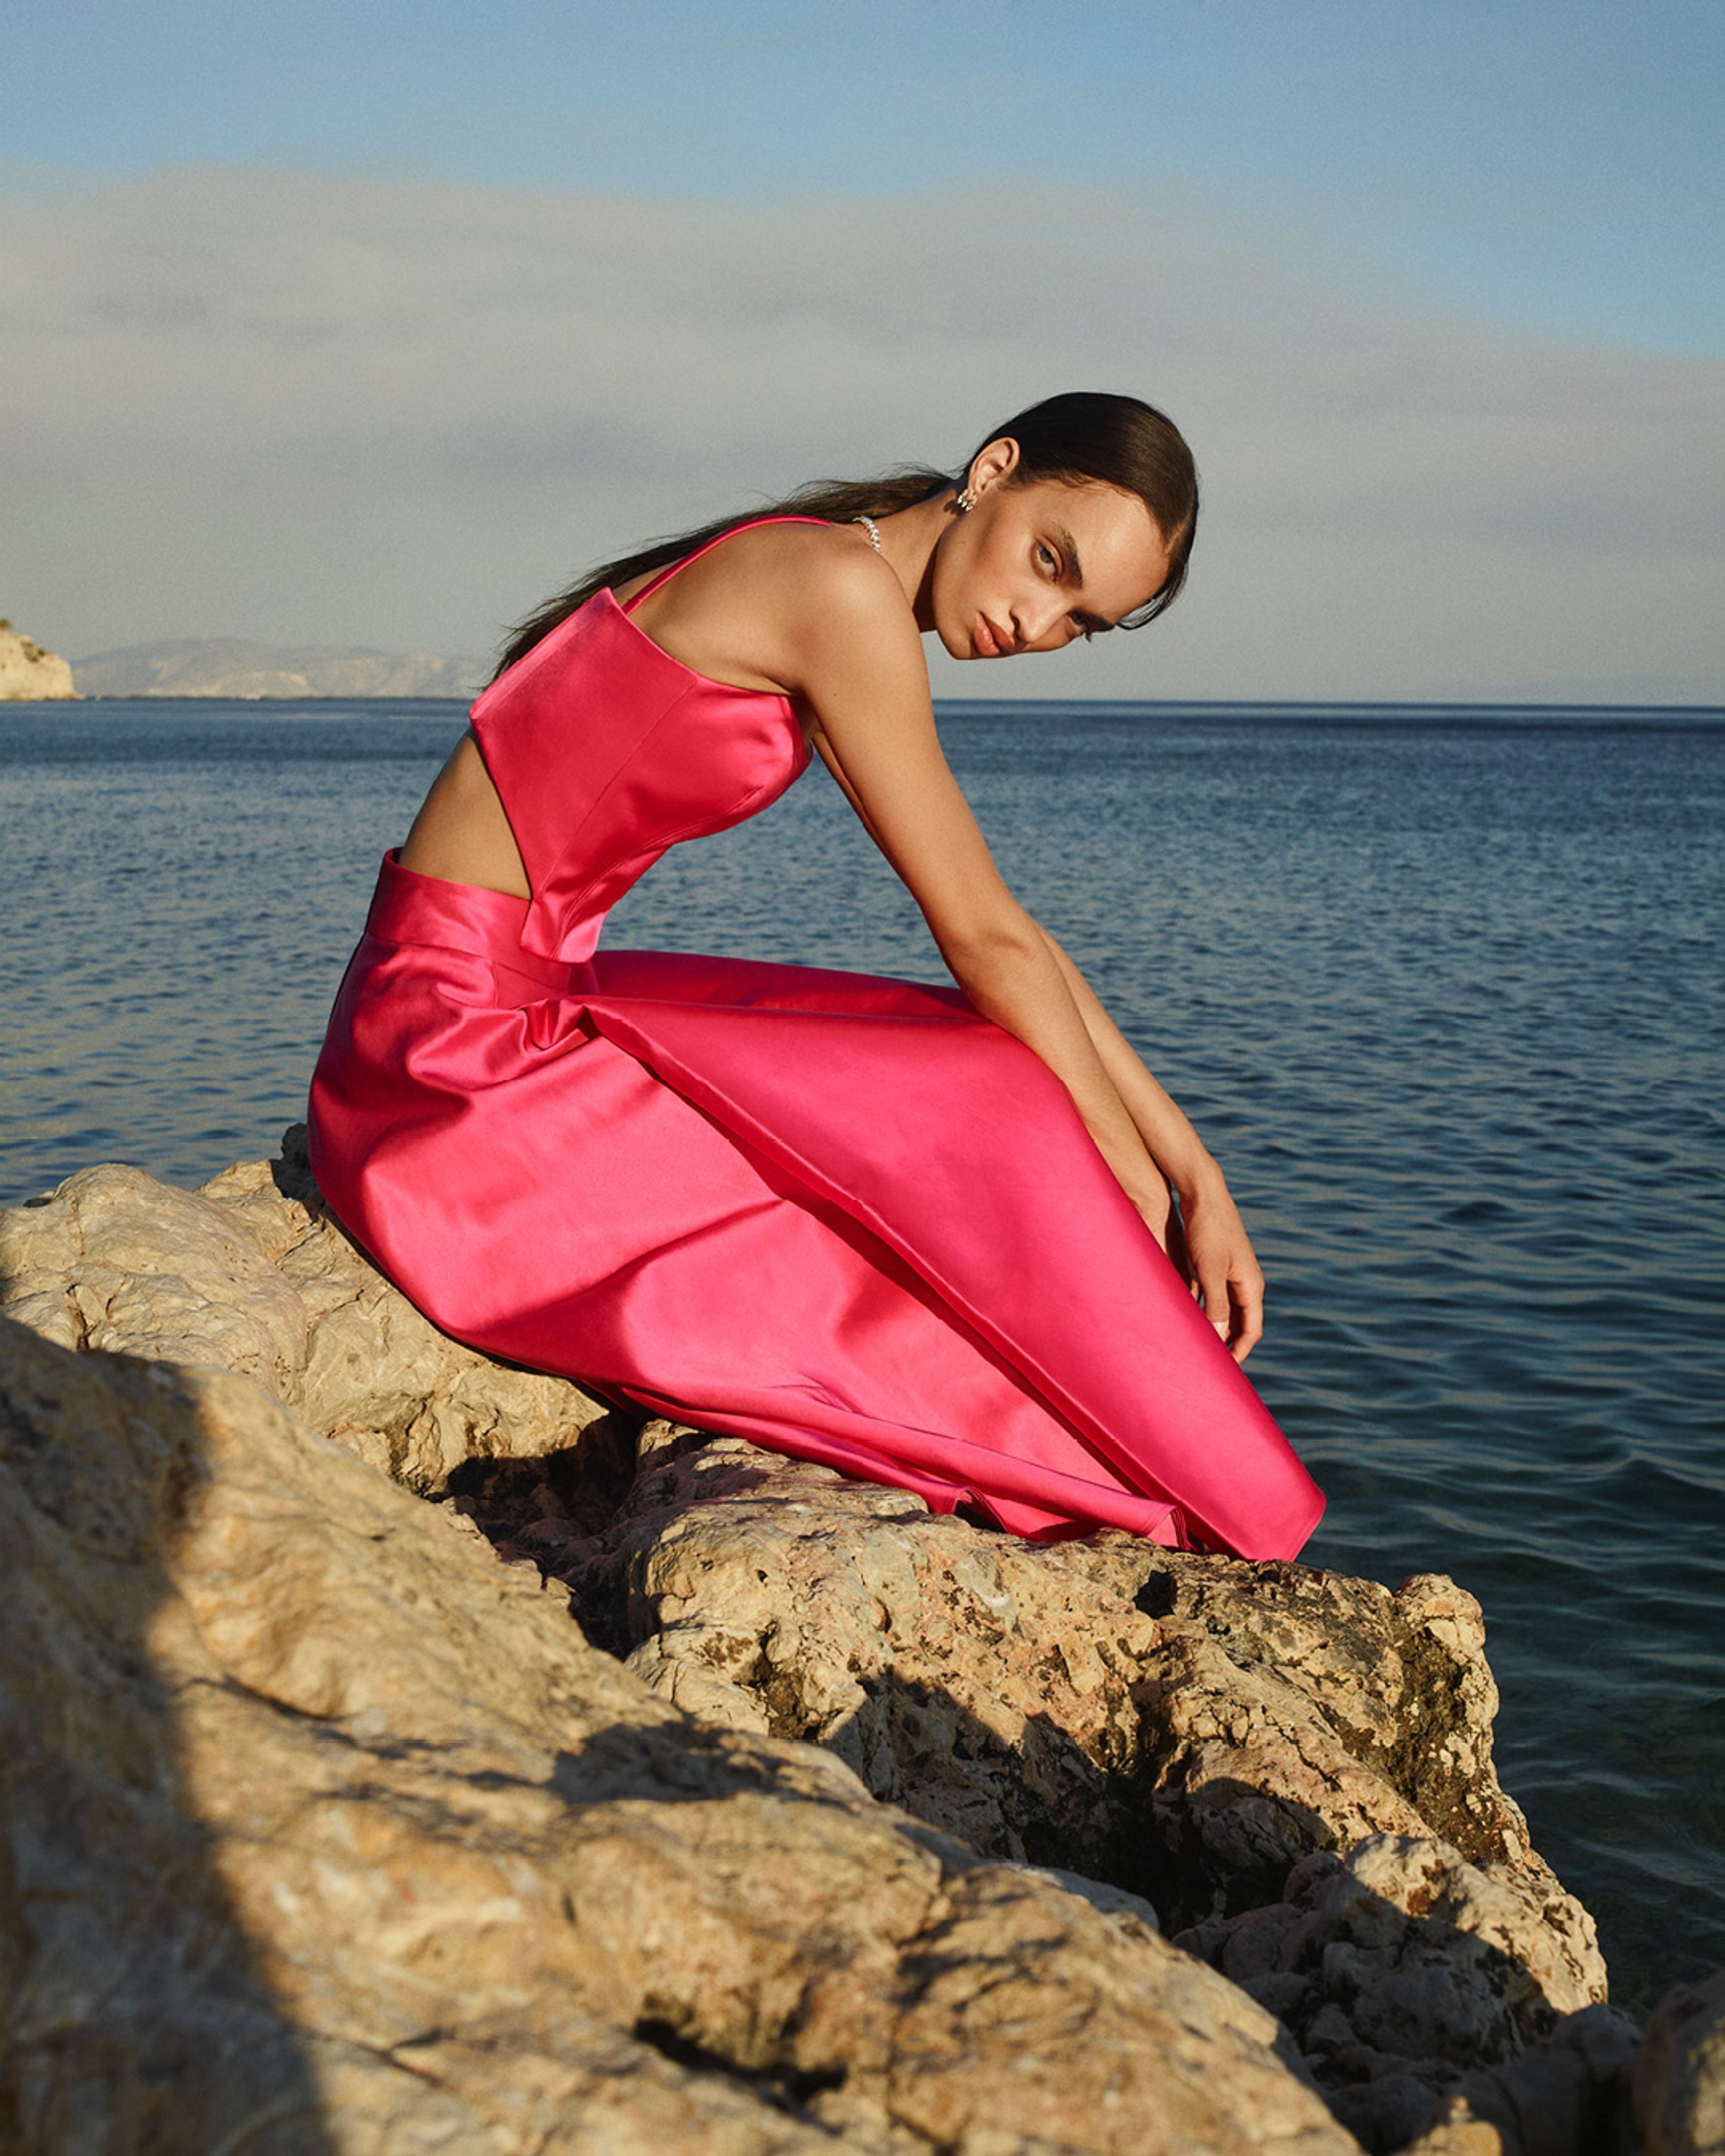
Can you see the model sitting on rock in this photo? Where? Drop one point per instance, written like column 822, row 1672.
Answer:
column 924, row 1235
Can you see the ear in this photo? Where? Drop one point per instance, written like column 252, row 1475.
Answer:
column 994, row 463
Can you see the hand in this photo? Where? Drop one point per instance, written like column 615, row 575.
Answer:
column 1215, row 1254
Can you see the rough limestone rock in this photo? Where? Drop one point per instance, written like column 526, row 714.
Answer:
column 30, row 674
column 1189, row 1727
column 1291, row 1770
column 1400, row 1967
column 1569, row 2094
column 323, row 1830
column 1680, row 2074
column 252, row 1275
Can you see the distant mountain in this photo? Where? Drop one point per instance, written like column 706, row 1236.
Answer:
column 229, row 666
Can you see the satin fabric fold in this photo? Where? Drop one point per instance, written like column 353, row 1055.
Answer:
column 839, row 1214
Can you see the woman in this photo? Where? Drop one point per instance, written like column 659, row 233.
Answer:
column 920, row 1234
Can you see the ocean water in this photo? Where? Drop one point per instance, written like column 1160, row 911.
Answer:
column 1442, row 989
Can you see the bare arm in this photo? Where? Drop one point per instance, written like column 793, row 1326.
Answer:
column 856, row 658
column 1222, row 1266
column 1178, row 1150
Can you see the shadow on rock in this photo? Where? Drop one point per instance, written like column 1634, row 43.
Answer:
column 253, row 1273
column 505, row 1886
column 498, row 1895
column 1188, row 1727
column 1411, row 1980
column 1273, row 1758
column 137, row 2012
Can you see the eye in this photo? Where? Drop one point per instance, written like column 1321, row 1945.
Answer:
column 1047, row 558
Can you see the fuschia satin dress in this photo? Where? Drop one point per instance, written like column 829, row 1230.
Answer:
column 843, row 1216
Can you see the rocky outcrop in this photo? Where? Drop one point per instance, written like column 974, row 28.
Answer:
column 250, row 1276
column 1418, row 1986
column 647, row 1790
column 30, row 674
column 1192, row 1725
column 231, row 666
column 1679, row 2074
column 327, row 1830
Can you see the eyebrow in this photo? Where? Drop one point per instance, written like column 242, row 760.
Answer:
column 1068, row 546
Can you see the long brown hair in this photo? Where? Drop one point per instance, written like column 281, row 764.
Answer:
column 1083, row 436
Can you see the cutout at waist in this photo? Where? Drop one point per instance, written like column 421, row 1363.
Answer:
column 461, row 834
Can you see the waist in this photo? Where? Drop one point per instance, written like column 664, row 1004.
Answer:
column 407, row 907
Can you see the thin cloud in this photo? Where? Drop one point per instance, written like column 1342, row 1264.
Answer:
column 345, row 410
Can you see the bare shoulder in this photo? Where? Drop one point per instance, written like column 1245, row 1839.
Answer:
column 787, row 603
column 801, row 567
column 759, row 557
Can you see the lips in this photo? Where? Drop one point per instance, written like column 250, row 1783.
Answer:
column 989, row 642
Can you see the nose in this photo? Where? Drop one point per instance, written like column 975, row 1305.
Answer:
column 1045, row 620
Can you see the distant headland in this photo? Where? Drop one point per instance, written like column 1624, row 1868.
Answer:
column 231, row 666
column 27, row 673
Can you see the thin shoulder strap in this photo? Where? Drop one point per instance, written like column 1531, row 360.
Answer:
column 665, row 575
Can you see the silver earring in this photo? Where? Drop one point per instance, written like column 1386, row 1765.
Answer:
column 966, row 501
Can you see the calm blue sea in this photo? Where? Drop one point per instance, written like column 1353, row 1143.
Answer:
column 1441, row 987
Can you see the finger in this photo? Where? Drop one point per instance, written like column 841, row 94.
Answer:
column 1212, row 1291
column 1248, row 1318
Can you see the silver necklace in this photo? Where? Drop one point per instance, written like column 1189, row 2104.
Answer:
column 873, row 530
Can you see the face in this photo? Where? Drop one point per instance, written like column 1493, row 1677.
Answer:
column 1034, row 565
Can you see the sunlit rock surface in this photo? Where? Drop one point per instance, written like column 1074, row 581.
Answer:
column 646, row 1791
column 326, row 1829
column 250, row 1276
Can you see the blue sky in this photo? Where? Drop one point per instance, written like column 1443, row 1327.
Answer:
column 1519, row 186
column 1559, row 165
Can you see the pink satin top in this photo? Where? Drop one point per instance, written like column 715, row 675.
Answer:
column 597, row 792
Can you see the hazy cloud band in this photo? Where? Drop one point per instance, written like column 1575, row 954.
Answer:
column 349, row 411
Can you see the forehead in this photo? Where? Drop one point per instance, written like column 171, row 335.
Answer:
column 1119, row 549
